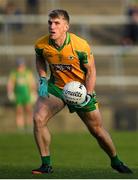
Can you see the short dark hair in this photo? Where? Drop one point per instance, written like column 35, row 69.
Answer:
column 59, row 12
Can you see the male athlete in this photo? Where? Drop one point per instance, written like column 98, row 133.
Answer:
column 69, row 59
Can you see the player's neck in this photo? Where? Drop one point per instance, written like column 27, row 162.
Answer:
column 60, row 41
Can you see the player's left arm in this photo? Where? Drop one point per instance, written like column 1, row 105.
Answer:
column 90, row 79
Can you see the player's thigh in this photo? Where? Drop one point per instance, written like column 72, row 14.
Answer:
column 28, row 107
column 47, row 107
column 19, row 108
column 92, row 118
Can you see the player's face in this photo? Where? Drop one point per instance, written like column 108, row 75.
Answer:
column 21, row 67
column 57, row 28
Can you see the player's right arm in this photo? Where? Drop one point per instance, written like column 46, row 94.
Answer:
column 41, row 69
column 10, row 86
column 41, row 66
column 40, row 60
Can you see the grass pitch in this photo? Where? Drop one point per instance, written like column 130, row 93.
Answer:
column 74, row 156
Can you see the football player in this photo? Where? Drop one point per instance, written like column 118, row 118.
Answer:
column 70, row 59
column 21, row 87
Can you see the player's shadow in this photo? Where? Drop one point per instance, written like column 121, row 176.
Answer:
column 20, row 172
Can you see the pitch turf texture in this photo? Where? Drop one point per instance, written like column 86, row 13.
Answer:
column 74, row 156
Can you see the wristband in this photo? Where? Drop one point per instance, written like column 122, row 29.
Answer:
column 43, row 87
column 87, row 100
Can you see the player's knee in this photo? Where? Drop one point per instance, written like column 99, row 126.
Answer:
column 97, row 132
column 38, row 121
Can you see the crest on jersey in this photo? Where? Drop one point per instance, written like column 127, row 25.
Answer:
column 70, row 57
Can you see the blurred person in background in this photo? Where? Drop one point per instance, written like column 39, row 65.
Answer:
column 130, row 33
column 70, row 59
column 21, row 90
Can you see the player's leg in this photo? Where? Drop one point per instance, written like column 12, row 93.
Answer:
column 45, row 109
column 20, row 117
column 93, row 121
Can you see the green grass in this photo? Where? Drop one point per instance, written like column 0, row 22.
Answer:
column 74, row 156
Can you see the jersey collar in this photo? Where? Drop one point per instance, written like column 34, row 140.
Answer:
column 67, row 41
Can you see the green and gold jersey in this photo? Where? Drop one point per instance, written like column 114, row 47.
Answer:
column 67, row 62
column 21, row 81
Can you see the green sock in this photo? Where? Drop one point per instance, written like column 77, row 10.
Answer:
column 115, row 160
column 45, row 160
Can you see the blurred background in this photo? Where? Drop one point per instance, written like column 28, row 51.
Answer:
column 111, row 28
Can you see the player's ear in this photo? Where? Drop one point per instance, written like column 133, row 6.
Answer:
column 67, row 27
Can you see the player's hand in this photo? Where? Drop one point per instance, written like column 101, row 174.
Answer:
column 43, row 87
column 11, row 96
column 87, row 100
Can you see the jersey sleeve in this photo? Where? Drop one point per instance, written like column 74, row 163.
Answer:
column 84, row 54
column 87, row 53
column 39, row 46
column 39, row 52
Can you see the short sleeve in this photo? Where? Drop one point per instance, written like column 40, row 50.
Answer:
column 39, row 52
